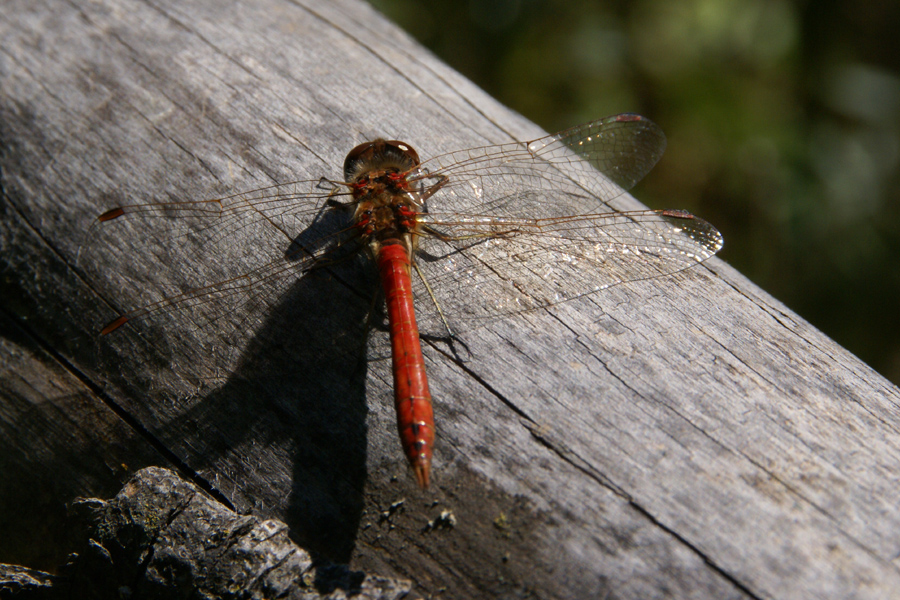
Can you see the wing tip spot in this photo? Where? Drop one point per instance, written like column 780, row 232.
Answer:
column 114, row 325
column 111, row 214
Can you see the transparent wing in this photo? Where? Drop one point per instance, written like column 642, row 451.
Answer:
column 566, row 166
column 271, row 216
column 288, row 228
column 242, row 302
column 500, row 265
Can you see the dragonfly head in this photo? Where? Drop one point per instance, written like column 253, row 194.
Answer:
column 379, row 155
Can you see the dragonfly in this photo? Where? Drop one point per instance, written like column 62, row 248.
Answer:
column 476, row 235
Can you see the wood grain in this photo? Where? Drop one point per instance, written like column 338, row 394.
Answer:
column 687, row 437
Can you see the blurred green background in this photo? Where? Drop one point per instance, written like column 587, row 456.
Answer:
column 783, row 122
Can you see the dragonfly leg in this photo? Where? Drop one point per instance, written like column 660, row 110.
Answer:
column 432, row 189
column 434, row 301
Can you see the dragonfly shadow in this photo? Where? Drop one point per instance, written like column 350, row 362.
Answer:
column 298, row 390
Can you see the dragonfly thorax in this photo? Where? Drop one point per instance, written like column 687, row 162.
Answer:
column 388, row 218
column 386, row 205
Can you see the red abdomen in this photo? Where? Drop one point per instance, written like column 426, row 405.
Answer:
column 412, row 399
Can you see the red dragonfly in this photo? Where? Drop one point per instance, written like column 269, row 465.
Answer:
column 498, row 229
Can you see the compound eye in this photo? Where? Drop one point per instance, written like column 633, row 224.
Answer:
column 360, row 154
column 406, row 150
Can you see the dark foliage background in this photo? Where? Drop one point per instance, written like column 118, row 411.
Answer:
column 783, row 120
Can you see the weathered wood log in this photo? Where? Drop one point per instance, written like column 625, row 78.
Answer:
column 686, row 437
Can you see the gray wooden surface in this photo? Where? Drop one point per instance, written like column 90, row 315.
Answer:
column 688, row 437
